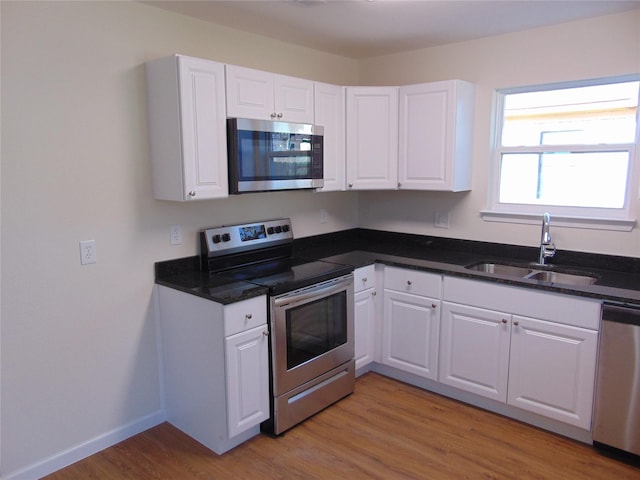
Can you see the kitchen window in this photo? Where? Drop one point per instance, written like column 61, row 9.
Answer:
column 567, row 149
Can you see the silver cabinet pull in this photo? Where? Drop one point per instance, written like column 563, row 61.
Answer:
column 409, row 282
column 279, row 115
column 434, row 306
column 504, row 320
column 516, row 323
column 265, row 333
column 192, row 193
column 248, row 316
column 273, row 115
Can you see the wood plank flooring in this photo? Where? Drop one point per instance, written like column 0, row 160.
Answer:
column 385, row 430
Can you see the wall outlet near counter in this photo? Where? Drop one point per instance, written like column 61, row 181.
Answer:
column 176, row 234
column 441, row 219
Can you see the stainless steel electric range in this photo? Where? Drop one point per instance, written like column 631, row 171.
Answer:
column 311, row 314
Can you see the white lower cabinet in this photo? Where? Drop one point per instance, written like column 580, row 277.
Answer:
column 552, row 369
column 411, row 321
column 474, row 350
column 544, row 365
column 247, row 370
column 215, row 366
column 364, row 315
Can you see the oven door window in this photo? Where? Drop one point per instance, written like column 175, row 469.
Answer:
column 274, row 156
column 315, row 328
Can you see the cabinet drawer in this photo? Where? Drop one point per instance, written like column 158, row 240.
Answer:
column 413, row 281
column 364, row 277
column 245, row 315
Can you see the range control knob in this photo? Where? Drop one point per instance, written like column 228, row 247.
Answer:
column 285, row 228
column 215, row 238
column 226, row 237
column 270, row 230
column 278, row 229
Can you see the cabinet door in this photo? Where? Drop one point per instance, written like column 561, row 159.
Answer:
column 187, row 128
column 329, row 113
column 372, row 137
column 293, row 99
column 435, row 136
column 410, row 333
column 249, row 93
column 474, row 350
column 552, row 370
column 364, row 326
column 247, row 372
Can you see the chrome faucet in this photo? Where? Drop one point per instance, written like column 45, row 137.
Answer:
column 547, row 247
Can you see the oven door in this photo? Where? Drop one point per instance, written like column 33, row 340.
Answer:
column 312, row 332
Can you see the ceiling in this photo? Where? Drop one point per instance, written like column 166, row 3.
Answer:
column 366, row 28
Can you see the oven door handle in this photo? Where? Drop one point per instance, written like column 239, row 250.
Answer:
column 319, row 291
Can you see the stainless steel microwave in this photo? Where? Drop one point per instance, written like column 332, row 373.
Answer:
column 266, row 155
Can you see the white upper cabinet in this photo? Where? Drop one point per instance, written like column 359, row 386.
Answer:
column 187, row 128
column 329, row 113
column 372, row 138
column 267, row 96
column 436, row 134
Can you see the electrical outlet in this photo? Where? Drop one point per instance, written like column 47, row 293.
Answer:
column 176, row 235
column 88, row 252
column 441, row 220
column 323, row 215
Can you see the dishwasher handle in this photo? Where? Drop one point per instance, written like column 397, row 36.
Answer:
column 629, row 314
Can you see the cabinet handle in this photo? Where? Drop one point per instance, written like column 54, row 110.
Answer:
column 516, row 323
column 504, row 320
column 409, row 283
column 265, row 333
column 364, row 279
column 434, row 306
column 351, row 185
column 399, row 184
column 273, row 115
column 373, row 294
column 248, row 316
column 279, row 115
column 192, row 193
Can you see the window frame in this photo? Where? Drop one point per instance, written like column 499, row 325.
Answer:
column 581, row 217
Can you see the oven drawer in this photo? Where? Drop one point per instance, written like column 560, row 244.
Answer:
column 413, row 281
column 245, row 315
column 364, row 277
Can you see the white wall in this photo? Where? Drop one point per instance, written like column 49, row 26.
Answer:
column 78, row 342
column 599, row 47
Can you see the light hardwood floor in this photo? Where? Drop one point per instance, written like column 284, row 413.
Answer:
column 385, row 430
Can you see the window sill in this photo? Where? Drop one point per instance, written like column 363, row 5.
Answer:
column 593, row 223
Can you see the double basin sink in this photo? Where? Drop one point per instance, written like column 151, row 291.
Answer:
column 543, row 273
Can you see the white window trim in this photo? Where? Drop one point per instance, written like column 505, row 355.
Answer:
column 587, row 218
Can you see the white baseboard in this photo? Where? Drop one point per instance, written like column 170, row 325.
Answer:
column 85, row 449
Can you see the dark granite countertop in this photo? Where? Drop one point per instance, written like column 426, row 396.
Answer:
column 618, row 277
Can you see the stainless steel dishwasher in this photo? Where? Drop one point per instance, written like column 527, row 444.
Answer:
column 616, row 421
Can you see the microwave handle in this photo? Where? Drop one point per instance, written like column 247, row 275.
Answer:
column 322, row 290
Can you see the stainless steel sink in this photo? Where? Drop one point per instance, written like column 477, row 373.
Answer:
column 530, row 272
column 565, row 278
column 500, row 269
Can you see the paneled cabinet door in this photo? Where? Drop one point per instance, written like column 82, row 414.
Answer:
column 552, row 370
column 267, row 96
column 329, row 114
column 247, row 372
column 411, row 325
column 364, row 325
column 372, row 138
column 474, row 350
column 436, row 134
column 187, row 126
